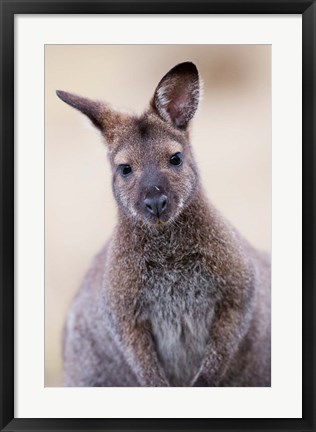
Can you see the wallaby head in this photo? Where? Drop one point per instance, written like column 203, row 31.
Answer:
column 154, row 174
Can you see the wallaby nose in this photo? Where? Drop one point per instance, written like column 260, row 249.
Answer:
column 156, row 205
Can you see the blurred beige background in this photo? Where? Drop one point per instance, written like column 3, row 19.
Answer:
column 231, row 137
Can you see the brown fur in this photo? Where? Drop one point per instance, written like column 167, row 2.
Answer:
column 177, row 297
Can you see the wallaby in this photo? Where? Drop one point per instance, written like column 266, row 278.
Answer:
column 177, row 297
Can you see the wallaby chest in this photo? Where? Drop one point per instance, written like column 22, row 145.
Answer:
column 178, row 302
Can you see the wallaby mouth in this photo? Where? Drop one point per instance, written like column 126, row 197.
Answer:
column 156, row 205
column 157, row 210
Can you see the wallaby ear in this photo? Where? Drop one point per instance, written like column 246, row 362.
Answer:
column 105, row 118
column 90, row 108
column 177, row 95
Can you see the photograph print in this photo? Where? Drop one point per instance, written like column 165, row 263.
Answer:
column 157, row 215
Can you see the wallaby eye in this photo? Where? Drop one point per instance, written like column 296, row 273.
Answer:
column 176, row 159
column 125, row 170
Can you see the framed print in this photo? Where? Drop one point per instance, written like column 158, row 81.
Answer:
column 172, row 327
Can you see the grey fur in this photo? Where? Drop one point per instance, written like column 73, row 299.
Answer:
column 179, row 301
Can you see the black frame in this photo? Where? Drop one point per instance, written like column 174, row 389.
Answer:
column 8, row 8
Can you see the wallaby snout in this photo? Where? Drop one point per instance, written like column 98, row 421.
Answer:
column 155, row 195
column 156, row 204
